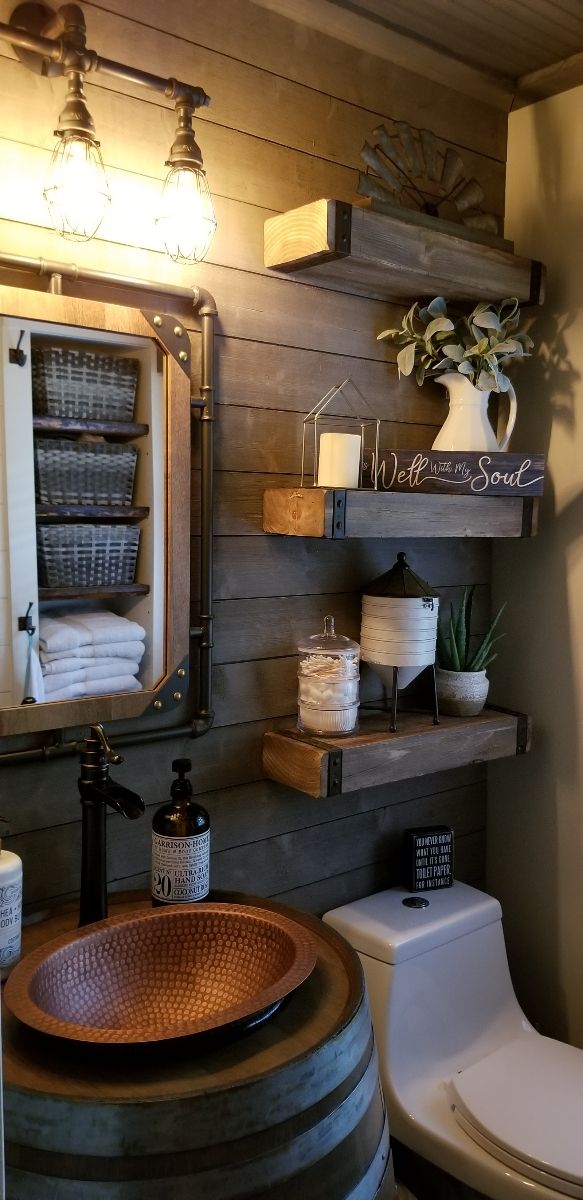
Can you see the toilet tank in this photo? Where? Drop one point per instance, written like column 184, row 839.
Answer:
column 396, row 925
column 437, row 977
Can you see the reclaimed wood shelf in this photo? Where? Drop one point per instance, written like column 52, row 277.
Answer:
column 329, row 766
column 339, row 513
column 393, row 258
column 46, row 514
column 93, row 593
column 119, row 430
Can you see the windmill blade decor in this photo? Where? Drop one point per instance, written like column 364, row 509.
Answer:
column 410, row 169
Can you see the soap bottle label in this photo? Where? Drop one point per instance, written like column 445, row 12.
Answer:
column 180, row 868
column 10, row 925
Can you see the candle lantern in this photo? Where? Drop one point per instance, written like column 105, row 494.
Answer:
column 399, row 630
column 334, row 442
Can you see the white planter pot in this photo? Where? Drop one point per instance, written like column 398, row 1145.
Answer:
column 461, row 693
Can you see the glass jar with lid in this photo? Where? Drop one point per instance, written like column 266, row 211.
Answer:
column 328, row 680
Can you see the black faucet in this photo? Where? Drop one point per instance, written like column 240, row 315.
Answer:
column 97, row 791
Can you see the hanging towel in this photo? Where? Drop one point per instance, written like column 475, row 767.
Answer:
column 34, row 688
column 98, row 687
column 122, row 667
column 72, row 630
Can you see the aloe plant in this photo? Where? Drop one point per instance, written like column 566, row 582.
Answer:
column 454, row 652
column 478, row 346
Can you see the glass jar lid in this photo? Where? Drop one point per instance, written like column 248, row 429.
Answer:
column 399, row 581
column 328, row 642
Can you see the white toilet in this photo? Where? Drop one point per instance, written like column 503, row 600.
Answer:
column 469, row 1084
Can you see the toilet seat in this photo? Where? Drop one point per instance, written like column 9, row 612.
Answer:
column 524, row 1105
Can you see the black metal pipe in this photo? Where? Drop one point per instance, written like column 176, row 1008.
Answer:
column 93, row 903
column 46, row 47
column 51, row 750
column 201, row 299
column 205, row 715
column 72, row 53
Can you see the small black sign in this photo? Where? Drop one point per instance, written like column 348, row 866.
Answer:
column 428, row 858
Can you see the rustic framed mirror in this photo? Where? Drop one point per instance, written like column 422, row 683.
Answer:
column 95, row 415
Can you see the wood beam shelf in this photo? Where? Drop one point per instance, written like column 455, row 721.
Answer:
column 338, row 513
column 334, row 766
column 388, row 257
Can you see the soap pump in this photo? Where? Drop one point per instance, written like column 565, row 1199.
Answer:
column 180, row 844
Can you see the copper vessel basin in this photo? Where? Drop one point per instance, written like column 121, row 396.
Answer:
column 148, row 976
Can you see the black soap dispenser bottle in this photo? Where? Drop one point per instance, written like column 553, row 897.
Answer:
column 180, row 844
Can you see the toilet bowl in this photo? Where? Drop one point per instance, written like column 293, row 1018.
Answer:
column 469, row 1084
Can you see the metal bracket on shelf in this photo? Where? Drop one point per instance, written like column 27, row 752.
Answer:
column 338, row 514
column 334, row 773
column 522, row 733
column 523, row 723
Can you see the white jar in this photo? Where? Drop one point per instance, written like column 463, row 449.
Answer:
column 328, row 682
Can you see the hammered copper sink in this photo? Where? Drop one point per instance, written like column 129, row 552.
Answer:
column 163, row 973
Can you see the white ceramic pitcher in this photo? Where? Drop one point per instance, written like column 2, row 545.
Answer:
column 466, row 426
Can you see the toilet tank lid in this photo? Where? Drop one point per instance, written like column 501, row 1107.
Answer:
column 386, row 929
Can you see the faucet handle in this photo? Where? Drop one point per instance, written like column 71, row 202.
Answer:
column 99, row 735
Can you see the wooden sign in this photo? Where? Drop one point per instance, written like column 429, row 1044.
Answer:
column 465, row 472
column 428, row 858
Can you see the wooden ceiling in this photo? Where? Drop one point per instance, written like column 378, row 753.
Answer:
column 509, row 52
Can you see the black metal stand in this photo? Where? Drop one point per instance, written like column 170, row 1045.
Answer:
column 395, row 697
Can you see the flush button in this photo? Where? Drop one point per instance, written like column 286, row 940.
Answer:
column 415, row 902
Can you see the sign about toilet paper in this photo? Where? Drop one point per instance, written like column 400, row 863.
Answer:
column 428, row 858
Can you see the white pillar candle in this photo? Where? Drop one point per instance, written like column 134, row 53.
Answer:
column 339, row 460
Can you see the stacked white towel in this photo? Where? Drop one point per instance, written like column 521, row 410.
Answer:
column 89, row 654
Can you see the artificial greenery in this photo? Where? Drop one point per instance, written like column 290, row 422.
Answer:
column 478, row 346
column 453, row 648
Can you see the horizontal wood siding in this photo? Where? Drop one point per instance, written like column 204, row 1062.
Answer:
column 290, row 111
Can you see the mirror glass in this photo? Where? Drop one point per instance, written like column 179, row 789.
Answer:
column 94, row 493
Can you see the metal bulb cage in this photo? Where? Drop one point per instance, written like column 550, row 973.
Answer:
column 77, row 191
column 186, row 219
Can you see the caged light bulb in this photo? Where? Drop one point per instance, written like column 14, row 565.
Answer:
column 77, row 192
column 187, row 219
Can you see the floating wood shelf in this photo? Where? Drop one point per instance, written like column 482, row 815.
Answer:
column 393, row 258
column 339, row 513
column 49, row 513
column 334, row 766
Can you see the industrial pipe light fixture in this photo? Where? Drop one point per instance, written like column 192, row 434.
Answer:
column 77, row 192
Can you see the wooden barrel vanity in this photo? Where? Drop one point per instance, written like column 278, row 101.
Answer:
column 291, row 1108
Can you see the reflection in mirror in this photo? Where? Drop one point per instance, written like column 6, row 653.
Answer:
column 94, row 494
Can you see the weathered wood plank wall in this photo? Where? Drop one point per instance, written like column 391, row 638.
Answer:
column 290, row 112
